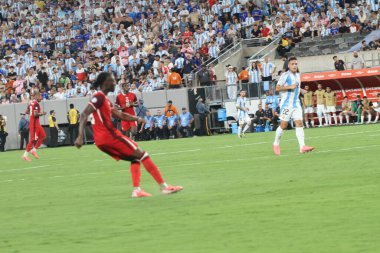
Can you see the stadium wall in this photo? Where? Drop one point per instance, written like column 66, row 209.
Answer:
column 152, row 100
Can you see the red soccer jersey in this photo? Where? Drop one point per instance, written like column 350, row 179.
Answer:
column 127, row 100
column 101, row 122
column 32, row 108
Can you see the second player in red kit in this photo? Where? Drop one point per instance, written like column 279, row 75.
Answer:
column 126, row 101
column 36, row 132
column 111, row 141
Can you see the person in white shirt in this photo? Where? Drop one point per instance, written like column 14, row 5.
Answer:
column 231, row 82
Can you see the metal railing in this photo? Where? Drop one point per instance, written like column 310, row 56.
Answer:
column 265, row 51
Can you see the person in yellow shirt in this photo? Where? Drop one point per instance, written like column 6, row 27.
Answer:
column 53, row 127
column 40, row 4
column 346, row 110
column 73, row 119
column 321, row 104
column 330, row 97
column 307, row 102
column 367, row 110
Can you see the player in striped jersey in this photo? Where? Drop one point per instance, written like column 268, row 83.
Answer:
column 242, row 113
column 308, row 106
column 289, row 86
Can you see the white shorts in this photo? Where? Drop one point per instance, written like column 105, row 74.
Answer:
column 330, row 109
column 288, row 113
column 321, row 109
column 377, row 109
column 309, row 109
column 244, row 119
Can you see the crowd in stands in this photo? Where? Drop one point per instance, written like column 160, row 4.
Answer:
column 59, row 47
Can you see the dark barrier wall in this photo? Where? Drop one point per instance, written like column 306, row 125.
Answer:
column 152, row 100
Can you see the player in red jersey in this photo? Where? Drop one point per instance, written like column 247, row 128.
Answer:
column 111, row 141
column 36, row 132
column 126, row 101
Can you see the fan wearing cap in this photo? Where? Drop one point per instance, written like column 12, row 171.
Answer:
column 53, row 127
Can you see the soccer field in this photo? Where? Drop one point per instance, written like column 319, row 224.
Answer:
column 238, row 197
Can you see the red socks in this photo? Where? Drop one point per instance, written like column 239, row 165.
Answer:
column 152, row 169
column 136, row 174
column 39, row 143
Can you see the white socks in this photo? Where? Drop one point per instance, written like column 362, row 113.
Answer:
column 369, row 118
column 26, row 153
column 300, row 136
column 320, row 120
column 376, row 119
column 279, row 133
column 327, row 119
column 341, row 119
column 239, row 130
column 245, row 128
column 362, row 119
column 335, row 119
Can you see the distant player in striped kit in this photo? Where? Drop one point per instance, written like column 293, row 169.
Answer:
column 242, row 113
column 289, row 86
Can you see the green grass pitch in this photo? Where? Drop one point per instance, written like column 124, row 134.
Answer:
column 238, row 197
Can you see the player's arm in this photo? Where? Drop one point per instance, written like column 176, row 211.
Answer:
column 117, row 104
column 82, row 123
column 125, row 116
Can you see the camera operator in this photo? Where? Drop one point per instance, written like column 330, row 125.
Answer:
column 3, row 133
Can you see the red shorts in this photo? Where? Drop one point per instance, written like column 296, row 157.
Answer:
column 37, row 132
column 126, row 125
column 119, row 147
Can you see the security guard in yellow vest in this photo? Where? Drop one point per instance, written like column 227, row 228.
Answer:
column 73, row 119
column 53, row 127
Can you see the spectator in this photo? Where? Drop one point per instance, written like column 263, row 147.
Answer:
column 185, row 122
column 339, row 64
column 231, row 82
column 244, row 78
column 364, row 46
column 357, row 61
column 259, row 116
column 170, row 107
column 73, row 119
column 172, row 124
column 174, row 80
column 3, row 133
column 23, row 130
column 53, row 126
column 268, row 69
column 271, row 101
column 204, row 78
column 147, row 128
column 160, row 127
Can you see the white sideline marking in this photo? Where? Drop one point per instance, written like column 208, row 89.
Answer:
column 27, row 168
column 177, row 152
column 199, row 163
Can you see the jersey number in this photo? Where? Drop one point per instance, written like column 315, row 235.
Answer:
column 285, row 112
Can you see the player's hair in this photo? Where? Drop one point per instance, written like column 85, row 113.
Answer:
column 102, row 77
column 293, row 58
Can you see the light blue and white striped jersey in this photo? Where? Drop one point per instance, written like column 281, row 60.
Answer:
column 179, row 62
column 254, row 75
column 213, row 51
column 267, row 69
column 290, row 98
column 231, row 78
column 243, row 103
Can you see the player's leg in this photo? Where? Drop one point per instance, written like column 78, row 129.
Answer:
column 284, row 117
column 341, row 118
column 30, row 144
column 369, row 116
column 247, row 122
column 359, row 115
column 319, row 113
column 153, row 170
column 296, row 115
column 41, row 136
column 364, row 112
column 377, row 117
